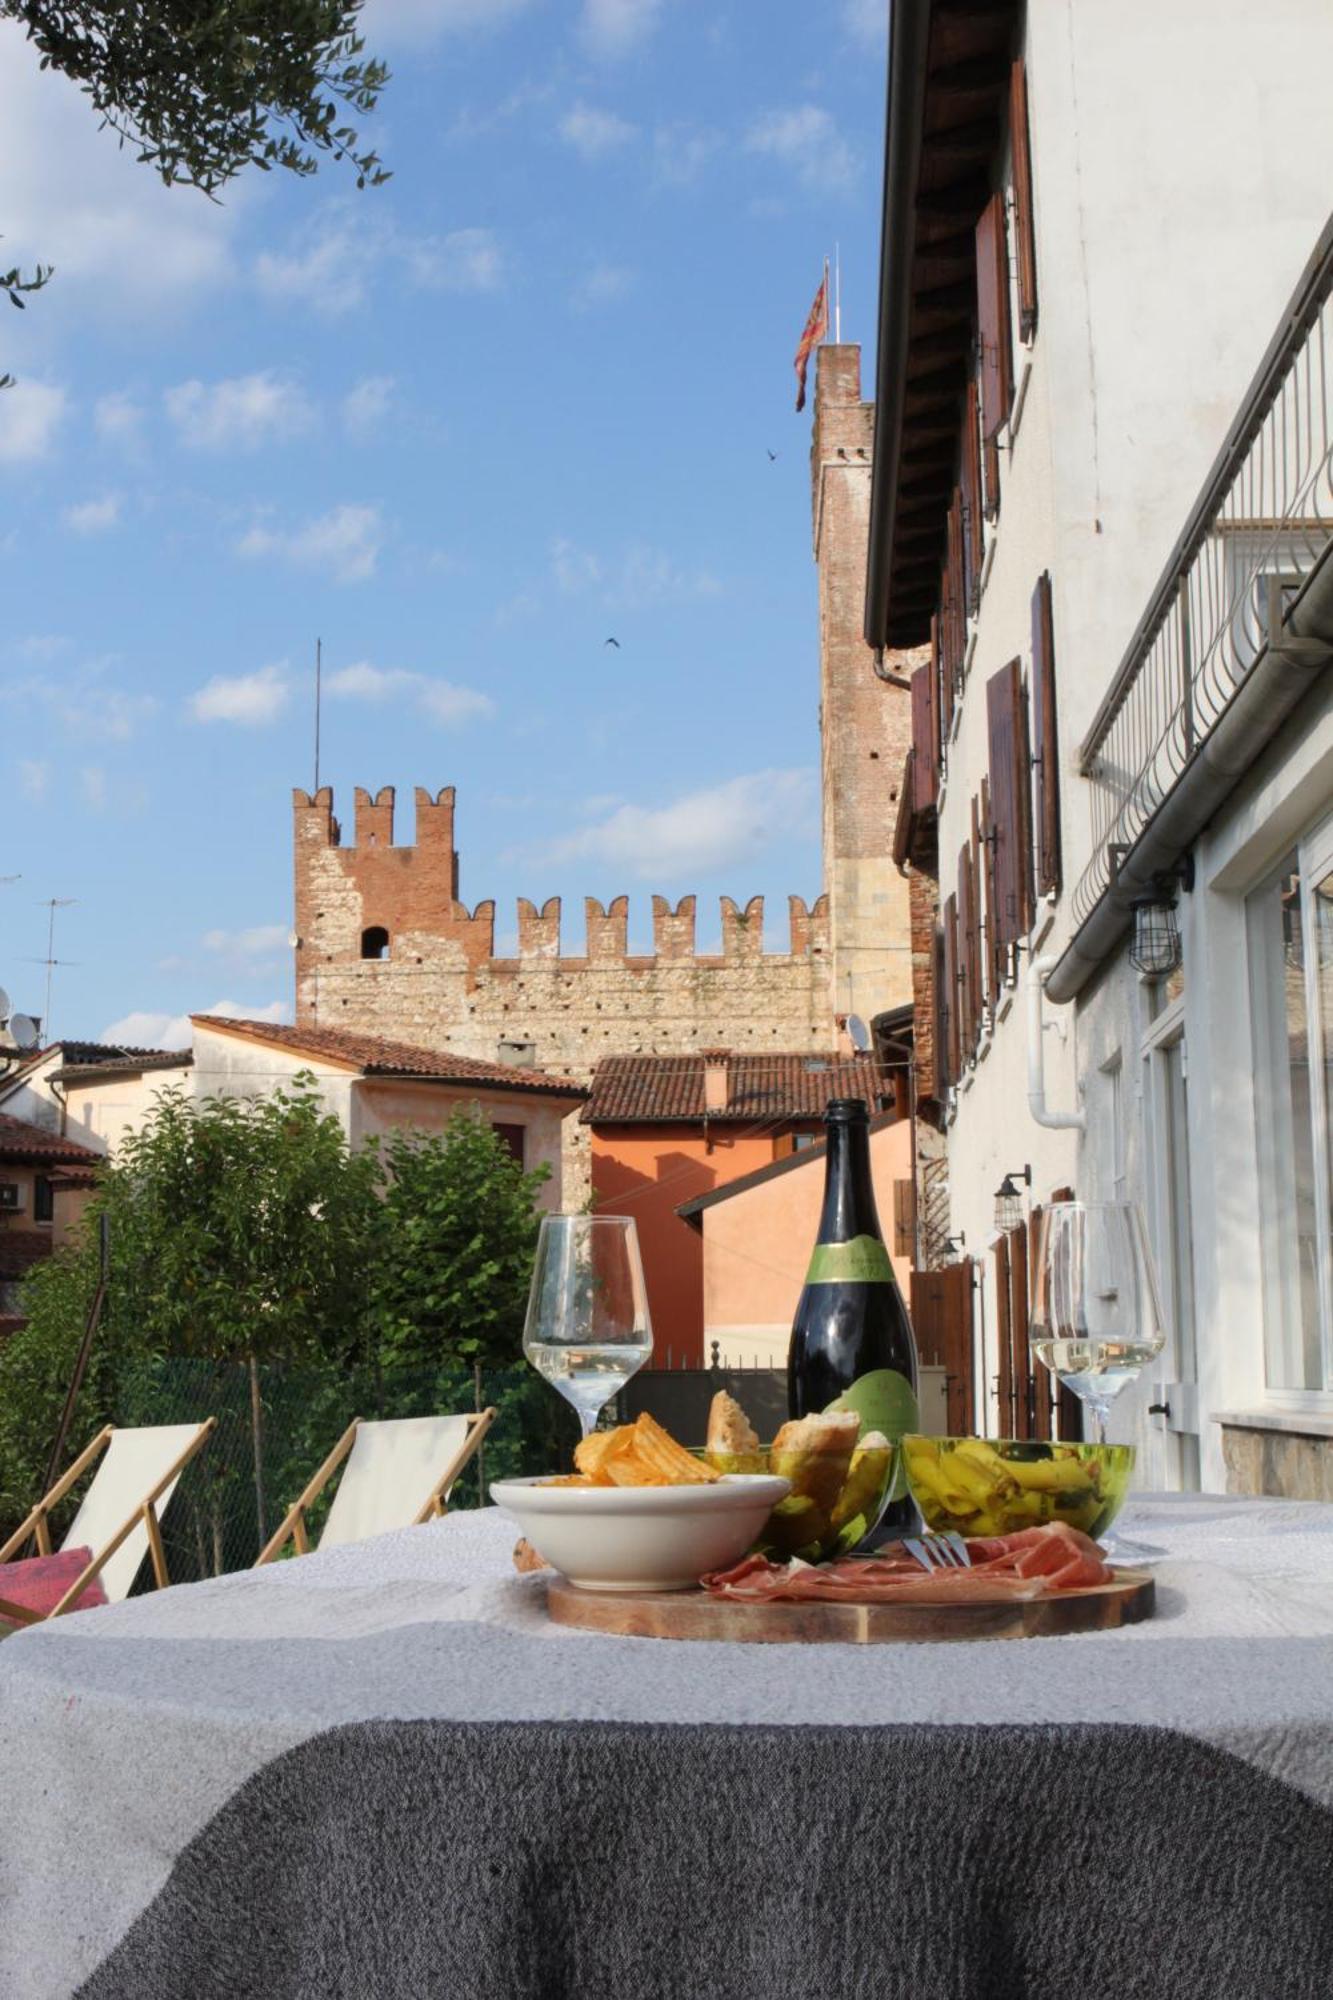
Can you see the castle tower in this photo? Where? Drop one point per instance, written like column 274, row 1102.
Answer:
column 865, row 725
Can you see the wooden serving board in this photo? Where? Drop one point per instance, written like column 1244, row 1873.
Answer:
column 693, row 1614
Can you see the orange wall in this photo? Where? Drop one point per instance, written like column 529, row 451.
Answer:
column 646, row 1171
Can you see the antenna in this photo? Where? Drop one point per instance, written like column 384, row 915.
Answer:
column 837, row 294
column 53, row 903
column 319, row 664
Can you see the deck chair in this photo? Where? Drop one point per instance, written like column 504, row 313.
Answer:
column 118, row 1516
column 398, row 1474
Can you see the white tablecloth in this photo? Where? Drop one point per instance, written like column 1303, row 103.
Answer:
column 129, row 1727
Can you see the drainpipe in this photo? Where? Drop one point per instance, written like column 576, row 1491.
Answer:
column 1039, row 970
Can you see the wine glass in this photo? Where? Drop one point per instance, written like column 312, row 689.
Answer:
column 587, row 1329
column 1096, row 1317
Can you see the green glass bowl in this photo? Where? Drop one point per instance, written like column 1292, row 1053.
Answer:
column 996, row 1486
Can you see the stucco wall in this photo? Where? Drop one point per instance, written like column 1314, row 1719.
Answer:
column 756, row 1247
column 383, row 1106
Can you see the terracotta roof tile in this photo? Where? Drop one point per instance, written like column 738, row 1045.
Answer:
column 766, row 1085
column 29, row 1145
column 374, row 1056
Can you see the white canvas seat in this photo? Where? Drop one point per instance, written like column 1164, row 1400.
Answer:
column 118, row 1516
column 398, row 1473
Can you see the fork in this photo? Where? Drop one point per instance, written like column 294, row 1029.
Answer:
column 938, row 1551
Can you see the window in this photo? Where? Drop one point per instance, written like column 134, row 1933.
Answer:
column 1290, row 921
column 514, row 1139
column 43, row 1200
column 375, row 942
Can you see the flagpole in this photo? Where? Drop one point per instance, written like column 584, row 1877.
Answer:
column 837, row 294
column 827, row 295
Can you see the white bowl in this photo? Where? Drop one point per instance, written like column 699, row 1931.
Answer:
column 641, row 1537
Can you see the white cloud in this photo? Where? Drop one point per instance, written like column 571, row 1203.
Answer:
column 680, row 153
column 34, row 777
column 30, row 415
column 466, row 260
column 118, row 419
column 640, row 575
column 120, row 241
column 866, row 21
column 249, row 699
column 601, row 286
column 707, row 830
column 146, row 1030
column 339, row 255
column 411, row 22
column 616, row 27
column 258, row 941
column 239, row 413
column 93, row 517
column 366, row 404
column 592, row 132
column 345, row 543
column 84, row 703
column 806, row 140
column 93, row 780
column 440, row 701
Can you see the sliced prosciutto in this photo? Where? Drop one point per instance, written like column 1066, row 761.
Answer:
column 1033, row 1563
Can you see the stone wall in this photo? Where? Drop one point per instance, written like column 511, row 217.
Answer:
column 1292, row 1465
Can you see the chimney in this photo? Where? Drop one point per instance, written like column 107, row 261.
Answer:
column 716, row 1090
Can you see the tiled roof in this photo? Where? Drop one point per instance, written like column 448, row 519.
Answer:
column 120, row 1062
column 105, row 1052
column 29, row 1145
column 374, row 1056
column 20, row 1249
column 765, row 1085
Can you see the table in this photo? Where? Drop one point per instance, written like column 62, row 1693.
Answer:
column 382, row 1772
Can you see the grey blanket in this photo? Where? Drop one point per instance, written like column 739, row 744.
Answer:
column 432, row 1861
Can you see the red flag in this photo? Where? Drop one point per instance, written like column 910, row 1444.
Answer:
column 815, row 329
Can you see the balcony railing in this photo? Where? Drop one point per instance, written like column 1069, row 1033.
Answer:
column 1260, row 530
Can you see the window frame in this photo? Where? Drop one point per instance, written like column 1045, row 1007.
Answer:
column 1279, row 1262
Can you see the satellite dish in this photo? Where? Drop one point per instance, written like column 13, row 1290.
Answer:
column 26, row 1032
column 858, row 1033
column 4, row 1006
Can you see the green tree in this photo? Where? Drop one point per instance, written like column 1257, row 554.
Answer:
column 204, row 88
column 454, row 1258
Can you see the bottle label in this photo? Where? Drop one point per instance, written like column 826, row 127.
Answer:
column 863, row 1261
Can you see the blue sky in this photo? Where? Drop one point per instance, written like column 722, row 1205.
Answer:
column 464, row 428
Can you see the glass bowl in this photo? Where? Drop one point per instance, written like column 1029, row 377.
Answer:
column 995, row 1486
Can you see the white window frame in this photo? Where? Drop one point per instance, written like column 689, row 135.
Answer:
column 1280, row 1280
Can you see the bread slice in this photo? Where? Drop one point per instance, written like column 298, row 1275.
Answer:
column 815, row 1453
column 732, row 1437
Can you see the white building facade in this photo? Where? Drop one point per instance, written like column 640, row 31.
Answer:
column 1112, row 524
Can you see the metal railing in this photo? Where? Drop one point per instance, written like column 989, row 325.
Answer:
column 1257, row 533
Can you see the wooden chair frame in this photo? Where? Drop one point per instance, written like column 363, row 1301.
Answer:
column 38, row 1524
column 293, row 1527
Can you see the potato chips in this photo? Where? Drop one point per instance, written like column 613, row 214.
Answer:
column 639, row 1454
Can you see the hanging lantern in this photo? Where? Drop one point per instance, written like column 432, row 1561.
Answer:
column 1009, row 1200
column 1156, row 948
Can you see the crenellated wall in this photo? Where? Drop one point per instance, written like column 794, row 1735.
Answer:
column 442, row 985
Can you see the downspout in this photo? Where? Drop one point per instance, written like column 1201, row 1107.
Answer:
column 1039, row 970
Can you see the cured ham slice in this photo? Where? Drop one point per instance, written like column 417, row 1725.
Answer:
column 1033, row 1563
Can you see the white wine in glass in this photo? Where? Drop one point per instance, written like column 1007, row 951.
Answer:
column 587, row 1328
column 1096, row 1318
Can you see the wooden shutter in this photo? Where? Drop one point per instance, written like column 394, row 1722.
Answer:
column 925, row 742
column 990, row 463
column 942, row 679
column 942, row 1323
column 971, row 492
column 994, row 955
column 1018, row 1327
column 1004, row 1333
column 955, row 597
column 1010, row 783
column 997, row 361
column 968, row 1013
column 979, row 905
column 939, row 988
column 1025, row 234
column 904, row 1219
column 950, row 998
column 1045, row 742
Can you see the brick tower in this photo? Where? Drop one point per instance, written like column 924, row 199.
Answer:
column 865, row 726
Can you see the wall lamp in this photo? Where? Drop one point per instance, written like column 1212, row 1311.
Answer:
column 1155, row 948
column 1009, row 1200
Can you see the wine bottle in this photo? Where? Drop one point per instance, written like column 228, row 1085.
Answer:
column 850, row 1320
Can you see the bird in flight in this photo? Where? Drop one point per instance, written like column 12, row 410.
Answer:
column 612, row 642
column 772, row 455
